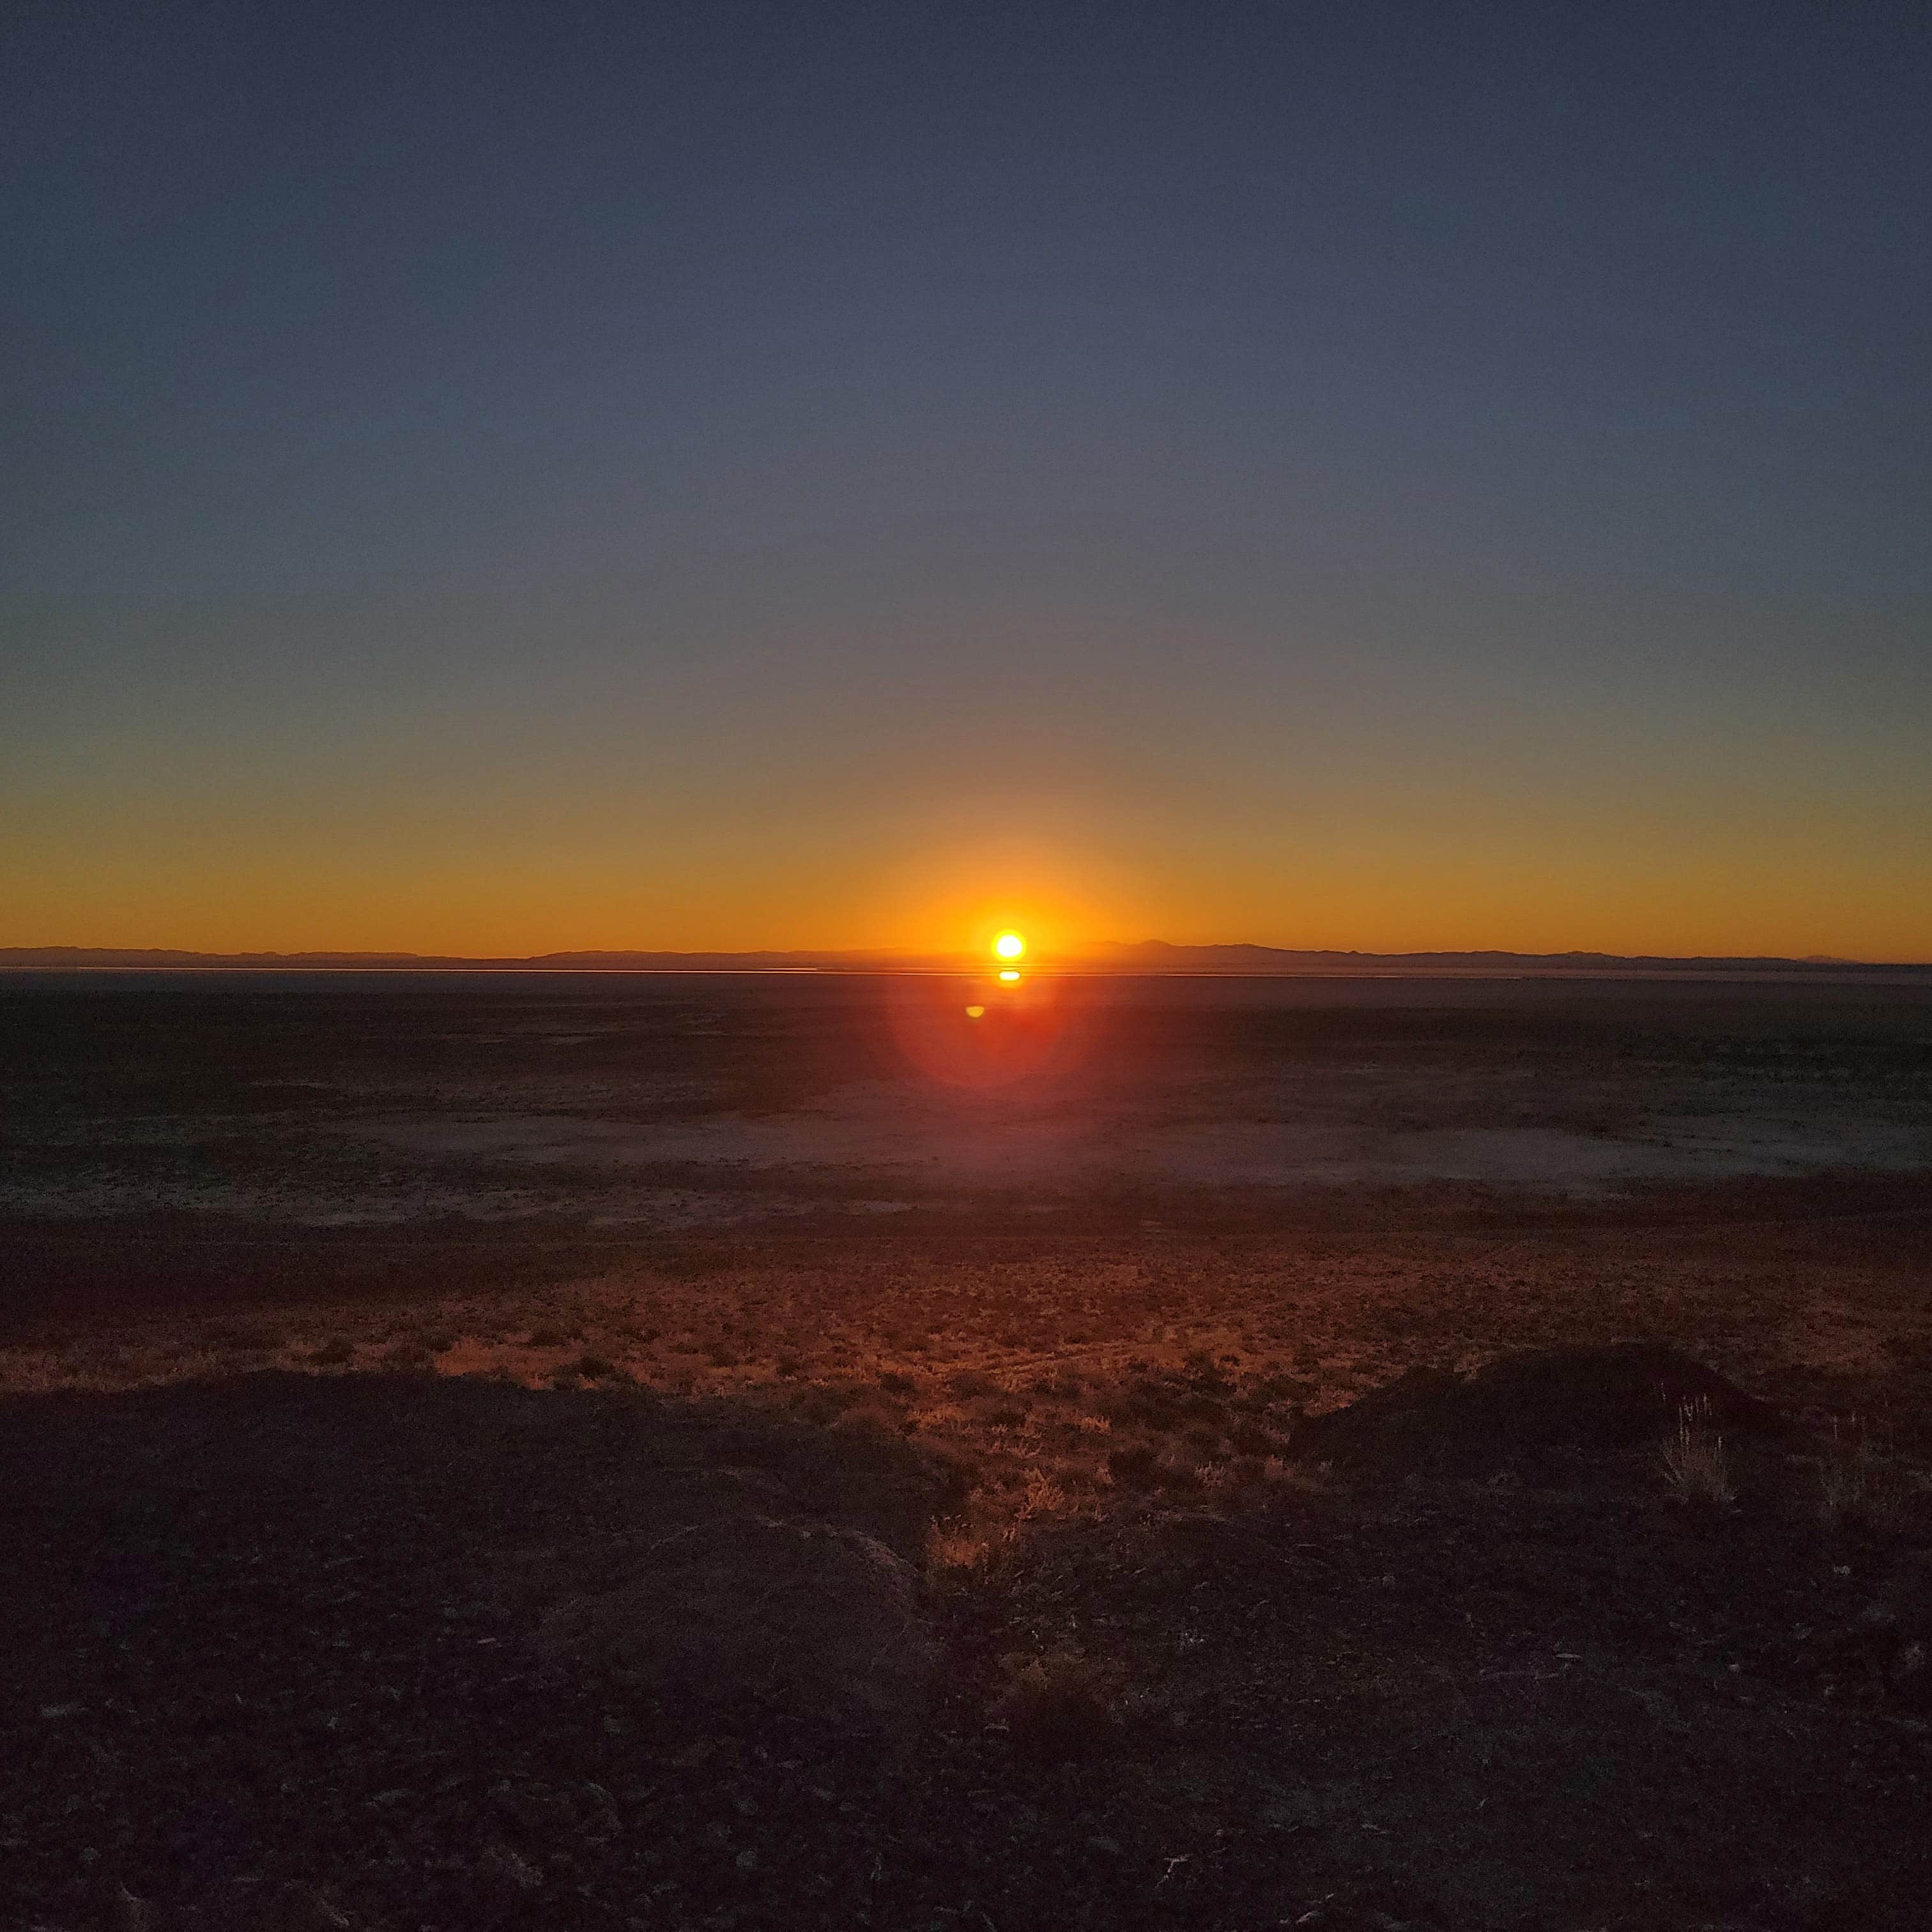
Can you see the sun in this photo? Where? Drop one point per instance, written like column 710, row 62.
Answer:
column 1010, row 946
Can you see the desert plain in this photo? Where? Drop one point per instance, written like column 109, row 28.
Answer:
column 1404, row 1451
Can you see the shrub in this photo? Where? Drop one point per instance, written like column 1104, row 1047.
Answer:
column 960, row 1550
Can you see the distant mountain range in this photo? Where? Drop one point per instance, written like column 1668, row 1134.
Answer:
column 1158, row 955
column 1150, row 955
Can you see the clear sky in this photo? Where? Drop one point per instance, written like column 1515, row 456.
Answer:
column 498, row 479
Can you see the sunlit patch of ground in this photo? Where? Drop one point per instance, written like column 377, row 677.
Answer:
column 1075, row 1376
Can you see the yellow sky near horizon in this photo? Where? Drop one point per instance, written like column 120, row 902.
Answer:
column 224, row 893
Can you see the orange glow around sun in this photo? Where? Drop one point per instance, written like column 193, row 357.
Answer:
column 1010, row 946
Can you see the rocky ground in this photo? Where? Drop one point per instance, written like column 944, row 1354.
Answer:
column 1589, row 1639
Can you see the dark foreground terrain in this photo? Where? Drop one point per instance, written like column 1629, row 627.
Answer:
column 395, row 1652
column 765, row 1456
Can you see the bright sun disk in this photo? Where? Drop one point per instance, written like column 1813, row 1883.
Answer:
column 1010, row 946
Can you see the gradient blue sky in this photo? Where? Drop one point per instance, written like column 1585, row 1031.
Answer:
column 501, row 478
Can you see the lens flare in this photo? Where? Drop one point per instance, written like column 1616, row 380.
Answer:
column 1010, row 946
column 979, row 1032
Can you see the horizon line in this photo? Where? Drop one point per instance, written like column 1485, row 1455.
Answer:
column 1092, row 958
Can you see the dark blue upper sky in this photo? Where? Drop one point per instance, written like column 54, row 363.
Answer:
column 326, row 295
column 850, row 332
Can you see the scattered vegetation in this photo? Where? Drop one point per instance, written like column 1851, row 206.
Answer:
column 1072, row 1381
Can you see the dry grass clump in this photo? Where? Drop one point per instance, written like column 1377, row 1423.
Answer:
column 1061, row 1704
column 1858, row 1483
column 1040, row 1496
column 1317, row 1478
column 1694, row 1460
column 957, row 1551
column 1059, row 1388
column 966, row 1550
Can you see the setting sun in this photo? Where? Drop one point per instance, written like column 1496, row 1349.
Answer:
column 1010, row 946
